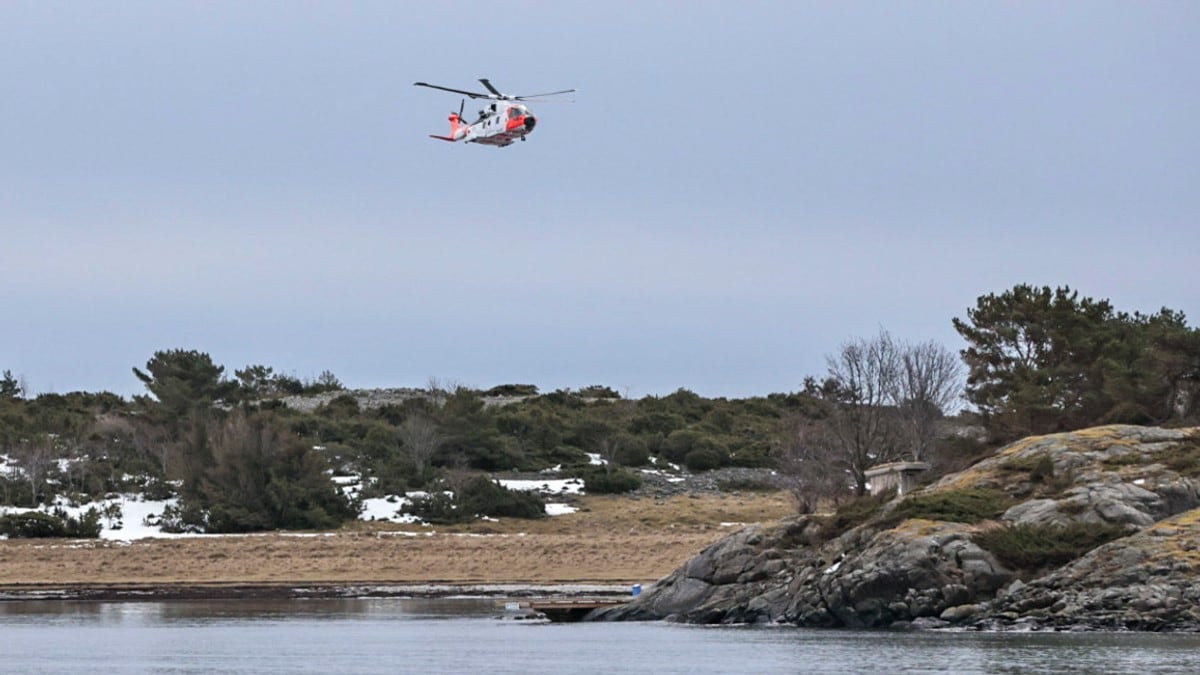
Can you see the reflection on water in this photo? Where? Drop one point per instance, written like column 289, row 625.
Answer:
column 389, row 635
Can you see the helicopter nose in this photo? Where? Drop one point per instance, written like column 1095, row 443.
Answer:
column 530, row 121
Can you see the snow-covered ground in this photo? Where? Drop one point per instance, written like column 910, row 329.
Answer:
column 548, row 488
column 139, row 517
column 132, row 524
column 558, row 486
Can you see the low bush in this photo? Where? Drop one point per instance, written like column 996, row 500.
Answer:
column 32, row 525
column 702, row 459
column 1185, row 459
column 747, row 485
column 483, row 496
column 614, row 481
column 439, row 508
column 1035, row 547
column 480, row 496
column 972, row 505
column 35, row 524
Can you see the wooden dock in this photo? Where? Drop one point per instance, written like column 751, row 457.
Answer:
column 569, row 609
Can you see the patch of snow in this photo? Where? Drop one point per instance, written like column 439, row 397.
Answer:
column 559, row 509
column 565, row 486
column 1140, row 481
column 596, row 459
column 669, row 478
column 387, row 509
column 131, row 525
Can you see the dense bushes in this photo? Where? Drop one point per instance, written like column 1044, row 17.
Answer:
column 1035, row 547
column 598, row 481
column 479, row 496
column 972, row 505
column 35, row 524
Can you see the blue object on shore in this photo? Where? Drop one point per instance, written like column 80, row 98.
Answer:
column 637, row 589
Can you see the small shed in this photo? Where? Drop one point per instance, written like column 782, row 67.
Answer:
column 898, row 477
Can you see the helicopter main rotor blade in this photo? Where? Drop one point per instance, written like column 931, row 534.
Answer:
column 492, row 89
column 553, row 93
column 472, row 94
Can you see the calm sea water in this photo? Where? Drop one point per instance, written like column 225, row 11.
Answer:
column 463, row 636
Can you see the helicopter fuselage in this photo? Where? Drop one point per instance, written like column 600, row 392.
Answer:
column 500, row 124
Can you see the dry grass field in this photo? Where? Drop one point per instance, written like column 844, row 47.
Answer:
column 617, row 540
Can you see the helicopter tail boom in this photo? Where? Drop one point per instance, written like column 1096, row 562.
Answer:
column 458, row 129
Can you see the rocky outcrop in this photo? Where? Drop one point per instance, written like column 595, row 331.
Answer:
column 921, row 572
column 371, row 399
column 1147, row 581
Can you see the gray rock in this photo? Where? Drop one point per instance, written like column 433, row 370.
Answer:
column 927, row 574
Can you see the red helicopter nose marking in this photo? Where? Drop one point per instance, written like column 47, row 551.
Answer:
column 515, row 123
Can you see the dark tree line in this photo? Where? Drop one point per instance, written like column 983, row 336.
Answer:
column 1042, row 360
column 1036, row 360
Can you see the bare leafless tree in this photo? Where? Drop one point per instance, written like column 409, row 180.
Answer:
column 861, row 426
column 34, row 457
column 929, row 385
column 880, row 402
column 812, row 470
column 420, row 439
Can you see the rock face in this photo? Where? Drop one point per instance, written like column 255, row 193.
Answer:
column 1147, row 581
column 930, row 573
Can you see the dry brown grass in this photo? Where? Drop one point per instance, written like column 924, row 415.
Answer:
column 610, row 540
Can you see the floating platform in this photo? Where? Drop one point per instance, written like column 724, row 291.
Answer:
column 563, row 609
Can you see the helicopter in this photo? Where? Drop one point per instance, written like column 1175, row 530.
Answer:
column 503, row 121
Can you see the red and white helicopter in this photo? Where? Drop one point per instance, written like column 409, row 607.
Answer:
column 503, row 121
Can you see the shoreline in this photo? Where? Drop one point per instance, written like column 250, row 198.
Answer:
column 153, row 592
column 605, row 548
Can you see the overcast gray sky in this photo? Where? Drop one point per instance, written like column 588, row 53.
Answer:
column 738, row 188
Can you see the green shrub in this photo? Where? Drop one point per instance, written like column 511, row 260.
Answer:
column 483, row 496
column 597, row 481
column 747, row 485
column 439, row 508
column 958, row 506
column 680, row 442
column 702, row 459
column 233, row 518
column 632, row 452
column 752, row 455
column 157, row 489
column 1185, row 459
column 480, row 496
column 32, row 525
column 1035, row 547
column 35, row 524
column 180, row 518
column 512, row 390
column 1039, row 466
